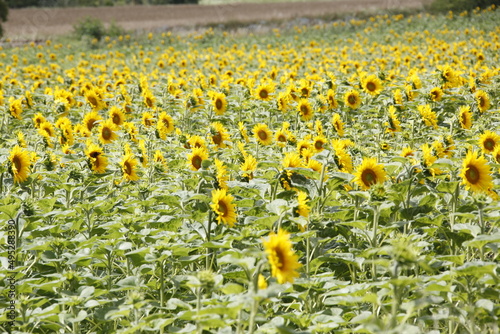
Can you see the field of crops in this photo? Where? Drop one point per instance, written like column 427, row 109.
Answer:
column 342, row 177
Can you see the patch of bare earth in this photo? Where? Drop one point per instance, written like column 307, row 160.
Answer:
column 39, row 23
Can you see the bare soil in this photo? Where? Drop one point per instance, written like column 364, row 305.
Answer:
column 40, row 23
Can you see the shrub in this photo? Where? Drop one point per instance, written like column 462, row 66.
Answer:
column 94, row 28
column 460, row 5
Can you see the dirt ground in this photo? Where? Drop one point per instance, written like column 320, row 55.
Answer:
column 40, row 23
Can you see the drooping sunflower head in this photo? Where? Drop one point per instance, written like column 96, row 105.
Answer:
column 476, row 173
column 282, row 258
column 222, row 205
column 369, row 173
column 20, row 163
column 488, row 141
column 262, row 133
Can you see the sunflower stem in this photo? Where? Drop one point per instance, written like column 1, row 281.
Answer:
column 209, row 225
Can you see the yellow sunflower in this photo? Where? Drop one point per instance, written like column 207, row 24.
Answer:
column 224, row 208
column 219, row 134
column 148, row 119
column 90, row 119
column 338, row 125
column 117, row 115
column 488, row 141
column 332, row 100
column 319, row 143
column 196, row 141
column 264, row 92
column 436, row 94
column 96, row 159
column 248, row 167
column 281, row 137
column 129, row 167
column 47, row 129
column 465, row 117
column 369, row 173
column 283, row 260
column 20, row 163
column 483, row 100
column 305, row 109
column 94, row 100
column 196, row 157
column 283, row 101
column 352, row 99
column 372, row 85
column 476, row 173
column 303, row 207
column 15, row 107
column 342, row 159
column 165, row 124
column 292, row 160
column 221, row 174
column 107, row 132
column 496, row 154
column 393, row 124
column 219, row 103
column 262, row 133
column 38, row 119
column 149, row 98
column 428, row 116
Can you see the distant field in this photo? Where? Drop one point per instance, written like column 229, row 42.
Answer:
column 39, row 23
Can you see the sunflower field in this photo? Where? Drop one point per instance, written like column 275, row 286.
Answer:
column 335, row 177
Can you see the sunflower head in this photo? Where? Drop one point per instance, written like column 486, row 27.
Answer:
column 488, row 141
column 262, row 133
column 369, row 173
column 282, row 259
column 372, row 85
column 20, row 163
column 476, row 173
column 352, row 99
column 129, row 167
column 196, row 157
column 223, row 207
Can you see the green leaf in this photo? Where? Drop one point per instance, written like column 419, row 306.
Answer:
column 483, row 239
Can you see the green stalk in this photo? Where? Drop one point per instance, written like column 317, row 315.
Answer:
column 209, row 225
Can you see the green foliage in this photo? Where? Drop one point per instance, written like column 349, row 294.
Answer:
column 94, row 28
column 460, row 5
column 4, row 12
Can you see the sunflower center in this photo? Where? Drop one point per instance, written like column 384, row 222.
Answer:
column 17, row 164
column 166, row 122
column 149, row 102
column 318, row 145
column 196, row 161
column 92, row 101
column 90, row 124
column 262, row 135
column 369, row 177
column 281, row 138
column 263, row 94
column 482, row 101
column 222, row 208
column 305, row 91
column 489, row 144
column 94, row 154
column 472, row 174
column 217, row 138
column 127, row 167
column 106, row 133
column 218, row 104
column 351, row 99
column 278, row 257
column 304, row 109
column 371, row 86
column 116, row 119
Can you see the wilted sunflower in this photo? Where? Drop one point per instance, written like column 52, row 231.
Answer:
column 483, row 100
column 352, row 99
column 369, row 173
column 196, row 157
column 129, row 167
column 96, row 159
column 107, row 132
column 116, row 115
column 20, row 163
column 372, row 85
column 305, row 109
column 283, row 260
column 262, row 133
column 488, row 141
column 465, row 117
column 223, row 207
column 476, row 173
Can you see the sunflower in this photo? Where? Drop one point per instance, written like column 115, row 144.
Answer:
column 283, row 101
column 221, row 174
column 476, row 173
column 38, row 119
column 332, row 101
column 291, row 160
column 20, row 163
column 496, row 154
column 488, row 141
column 116, row 115
column 428, row 116
column 264, row 92
column 407, row 152
column 429, row 157
column 196, row 157
column 369, row 173
column 338, row 125
column 393, row 124
column 305, row 88
column 149, row 98
column 303, row 207
column 319, row 143
column 219, row 134
column 20, row 139
column 283, row 260
column 397, row 97
column 436, row 94
column 47, row 129
column 129, row 167
column 305, row 109
column 196, row 141
column 352, row 99
column 96, row 160
column 219, row 103
column 372, row 85
column 281, row 137
column 148, row 119
column 94, row 100
column 248, row 167
column 465, row 117
column 165, row 124
column 243, row 131
column 483, row 100
column 66, row 137
column 262, row 133
column 90, row 119
column 224, row 208
column 342, row 159
column 15, row 107
column 107, row 132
